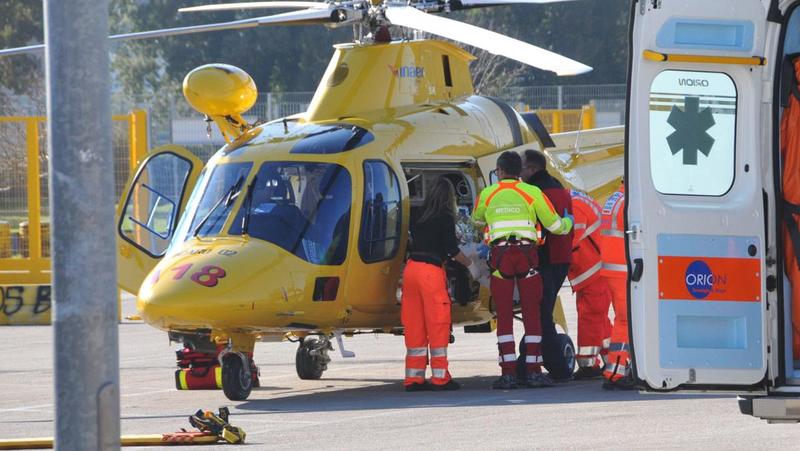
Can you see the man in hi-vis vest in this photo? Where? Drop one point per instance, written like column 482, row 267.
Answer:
column 592, row 294
column 615, row 270
column 511, row 209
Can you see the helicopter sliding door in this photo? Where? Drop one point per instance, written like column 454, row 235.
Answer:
column 695, row 206
column 149, row 209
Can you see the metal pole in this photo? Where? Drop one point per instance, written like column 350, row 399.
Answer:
column 82, row 205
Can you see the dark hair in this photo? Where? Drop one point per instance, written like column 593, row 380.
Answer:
column 440, row 199
column 510, row 162
column 536, row 159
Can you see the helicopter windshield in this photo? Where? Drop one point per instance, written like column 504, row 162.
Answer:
column 302, row 207
column 216, row 201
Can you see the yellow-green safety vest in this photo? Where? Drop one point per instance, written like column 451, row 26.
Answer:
column 512, row 207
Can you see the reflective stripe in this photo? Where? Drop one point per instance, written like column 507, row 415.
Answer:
column 438, row 372
column 593, row 228
column 519, row 233
column 589, row 350
column 502, row 224
column 613, row 369
column 555, row 226
column 415, row 372
column 438, row 352
column 533, row 338
column 614, row 233
column 533, row 359
column 580, row 226
column 509, row 357
column 505, row 338
column 417, row 352
column 618, row 347
column 586, row 274
column 615, row 267
column 615, row 212
column 606, row 342
column 586, row 361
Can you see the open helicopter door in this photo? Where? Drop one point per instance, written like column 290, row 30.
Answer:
column 695, row 209
column 148, row 211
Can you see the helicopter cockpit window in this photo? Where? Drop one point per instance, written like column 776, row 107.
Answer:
column 302, row 207
column 381, row 217
column 327, row 139
column 224, row 186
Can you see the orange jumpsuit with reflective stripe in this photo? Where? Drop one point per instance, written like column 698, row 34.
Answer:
column 615, row 270
column 790, row 155
column 425, row 314
column 592, row 294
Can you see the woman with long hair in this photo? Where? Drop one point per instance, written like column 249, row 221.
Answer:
column 425, row 309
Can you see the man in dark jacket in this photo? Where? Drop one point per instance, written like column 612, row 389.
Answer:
column 556, row 254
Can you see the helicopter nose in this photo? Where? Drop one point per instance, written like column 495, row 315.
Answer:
column 207, row 285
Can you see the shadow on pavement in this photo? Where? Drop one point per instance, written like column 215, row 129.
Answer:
column 475, row 391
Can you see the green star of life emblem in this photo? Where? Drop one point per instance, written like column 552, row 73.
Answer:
column 691, row 127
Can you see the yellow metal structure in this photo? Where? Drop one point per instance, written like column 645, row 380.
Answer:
column 388, row 119
column 25, row 275
column 704, row 59
column 560, row 121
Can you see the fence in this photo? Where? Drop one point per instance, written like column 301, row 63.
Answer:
column 25, row 210
column 607, row 103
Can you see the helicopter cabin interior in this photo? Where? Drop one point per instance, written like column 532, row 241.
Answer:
column 467, row 183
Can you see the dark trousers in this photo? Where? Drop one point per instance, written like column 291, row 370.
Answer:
column 553, row 276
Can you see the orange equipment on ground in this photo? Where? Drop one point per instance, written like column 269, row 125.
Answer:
column 592, row 294
column 615, row 270
column 425, row 314
column 790, row 155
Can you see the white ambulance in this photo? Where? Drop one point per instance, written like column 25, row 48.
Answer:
column 710, row 307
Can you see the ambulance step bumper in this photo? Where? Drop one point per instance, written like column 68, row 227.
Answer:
column 774, row 409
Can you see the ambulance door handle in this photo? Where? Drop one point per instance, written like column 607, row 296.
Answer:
column 638, row 269
column 634, row 234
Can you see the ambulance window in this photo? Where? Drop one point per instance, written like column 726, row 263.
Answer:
column 692, row 132
column 381, row 217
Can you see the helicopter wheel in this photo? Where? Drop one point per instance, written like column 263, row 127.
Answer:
column 237, row 380
column 312, row 358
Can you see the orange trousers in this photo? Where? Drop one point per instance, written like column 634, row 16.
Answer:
column 793, row 273
column 594, row 327
column 425, row 314
column 618, row 355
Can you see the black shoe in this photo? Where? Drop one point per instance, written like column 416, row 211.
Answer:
column 418, row 387
column 449, row 386
column 624, row 384
column 588, row 372
column 505, row 382
column 538, row 380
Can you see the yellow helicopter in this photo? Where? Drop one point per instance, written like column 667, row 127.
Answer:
column 297, row 228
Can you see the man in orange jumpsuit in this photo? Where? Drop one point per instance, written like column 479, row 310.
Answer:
column 592, row 294
column 615, row 270
column 790, row 156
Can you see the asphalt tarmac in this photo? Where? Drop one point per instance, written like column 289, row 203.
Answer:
column 359, row 403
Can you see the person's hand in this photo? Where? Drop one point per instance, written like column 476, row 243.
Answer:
column 569, row 216
column 474, row 271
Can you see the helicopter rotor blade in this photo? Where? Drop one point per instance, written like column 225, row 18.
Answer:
column 307, row 16
column 496, row 43
column 465, row 4
column 255, row 5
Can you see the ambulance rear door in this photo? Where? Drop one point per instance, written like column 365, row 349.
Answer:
column 695, row 206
